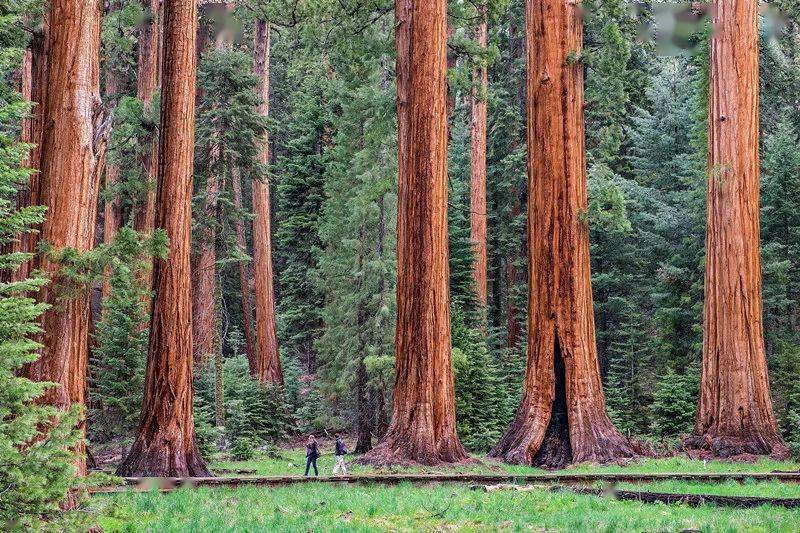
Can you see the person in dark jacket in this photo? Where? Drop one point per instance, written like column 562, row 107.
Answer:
column 341, row 451
column 312, row 452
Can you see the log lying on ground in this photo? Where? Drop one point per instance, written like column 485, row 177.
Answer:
column 167, row 484
column 694, row 500
column 239, row 471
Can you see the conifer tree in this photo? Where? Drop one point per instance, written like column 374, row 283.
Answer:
column 735, row 409
column 36, row 439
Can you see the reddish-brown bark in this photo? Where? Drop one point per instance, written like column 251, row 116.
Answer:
column 478, row 212
column 562, row 416
column 423, row 427
column 165, row 441
column 71, row 157
column 735, row 410
column 204, row 275
column 267, row 355
column 33, row 89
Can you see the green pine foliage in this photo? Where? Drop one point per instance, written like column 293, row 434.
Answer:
column 36, row 461
column 674, row 403
column 301, row 194
column 356, row 263
column 256, row 413
column 118, row 360
column 131, row 143
column 483, row 408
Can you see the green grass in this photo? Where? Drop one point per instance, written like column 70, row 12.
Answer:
column 322, row 507
column 293, row 461
column 406, row 507
column 761, row 489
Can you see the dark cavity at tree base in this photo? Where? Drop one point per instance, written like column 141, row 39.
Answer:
column 557, row 447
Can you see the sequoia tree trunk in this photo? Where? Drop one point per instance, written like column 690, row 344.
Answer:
column 71, row 157
column 204, row 274
column 33, row 89
column 561, row 417
column 165, row 441
column 478, row 162
column 735, row 409
column 268, row 363
column 423, row 427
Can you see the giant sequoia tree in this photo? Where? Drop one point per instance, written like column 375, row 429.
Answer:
column 165, row 443
column 70, row 164
column 478, row 213
column 735, row 411
column 268, row 364
column 562, row 416
column 423, row 427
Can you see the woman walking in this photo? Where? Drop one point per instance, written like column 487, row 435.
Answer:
column 312, row 452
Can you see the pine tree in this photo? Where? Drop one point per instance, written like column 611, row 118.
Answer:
column 121, row 336
column 674, row 403
column 36, row 439
column 483, row 407
column 299, row 205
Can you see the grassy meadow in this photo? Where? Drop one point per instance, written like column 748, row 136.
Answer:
column 444, row 507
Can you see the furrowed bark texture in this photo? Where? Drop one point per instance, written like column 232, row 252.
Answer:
column 268, row 363
column 165, row 441
column 71, row 163
column 423, row 427
column 562, row 416
column 735, row 411
column 204, row 275
column 34, row 89
column 480, row 84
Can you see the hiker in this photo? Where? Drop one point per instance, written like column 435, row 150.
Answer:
column 341, row 451
column 312, row 452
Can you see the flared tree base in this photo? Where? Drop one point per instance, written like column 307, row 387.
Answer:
column 559, row 449
column 163, row 459
column 597, row 441
column 737, row 447
column 398, row 450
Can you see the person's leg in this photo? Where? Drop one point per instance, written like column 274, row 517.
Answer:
column 336, row 466
column 344, row 465
column 308, row 464
column 316, row 472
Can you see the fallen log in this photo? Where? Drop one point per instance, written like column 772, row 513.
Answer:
column 693, row 500
column 240, row 471
column 488, row 479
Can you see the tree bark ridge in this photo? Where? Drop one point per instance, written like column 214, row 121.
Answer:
column 423, row 427
column 735, row 410
column 561, row 315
